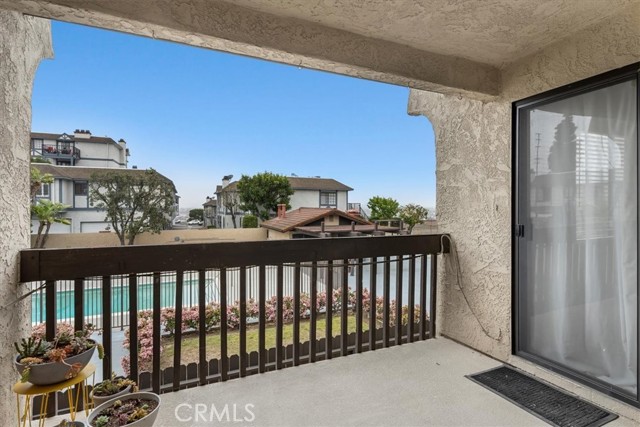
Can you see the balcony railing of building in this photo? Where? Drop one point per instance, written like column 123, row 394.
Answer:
column 247, row 307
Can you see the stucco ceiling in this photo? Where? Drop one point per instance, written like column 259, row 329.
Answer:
column 449, row 46
column 493, row 32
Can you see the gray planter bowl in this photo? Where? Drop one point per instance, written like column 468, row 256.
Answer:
column 54, row 372
column 145, row 422
column 99, row 400
column 73, row 424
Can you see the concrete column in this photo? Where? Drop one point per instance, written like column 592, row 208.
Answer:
column 473, row 181
column 24, row 41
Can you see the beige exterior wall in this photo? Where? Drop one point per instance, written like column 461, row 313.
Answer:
column 276, row 235
column 87, row 240
column 24, row 41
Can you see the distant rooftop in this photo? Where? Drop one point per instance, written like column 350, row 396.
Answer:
column 303, row 216
column 299, row 183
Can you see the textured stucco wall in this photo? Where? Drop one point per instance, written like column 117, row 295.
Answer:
column 473, row 204
column 24, row 41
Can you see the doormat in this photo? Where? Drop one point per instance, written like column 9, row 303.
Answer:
column 545, row 402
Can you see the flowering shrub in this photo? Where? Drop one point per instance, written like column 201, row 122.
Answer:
column 191, row 319
column 62, row 328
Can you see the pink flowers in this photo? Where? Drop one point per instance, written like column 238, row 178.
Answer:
column 191, row 318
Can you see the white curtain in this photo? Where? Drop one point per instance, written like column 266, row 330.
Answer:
column 580, row 301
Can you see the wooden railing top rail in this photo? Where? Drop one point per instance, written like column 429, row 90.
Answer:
column 66, row 264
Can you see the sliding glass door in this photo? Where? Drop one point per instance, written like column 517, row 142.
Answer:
column 576, row 225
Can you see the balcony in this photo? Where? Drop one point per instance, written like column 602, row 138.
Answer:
column 280, row 304
column 64, row 152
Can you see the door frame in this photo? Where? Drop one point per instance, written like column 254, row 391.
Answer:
column 519, row 196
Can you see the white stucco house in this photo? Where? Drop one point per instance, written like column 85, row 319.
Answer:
column 314, row 192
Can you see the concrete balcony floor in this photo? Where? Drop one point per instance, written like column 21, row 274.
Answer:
column 415, row 384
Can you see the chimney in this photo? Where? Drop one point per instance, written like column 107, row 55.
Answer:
column 82, row 134
column 124, row 154
column 282, row 210
column 226, row 179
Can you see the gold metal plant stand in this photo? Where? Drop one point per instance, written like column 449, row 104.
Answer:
column 29, row 390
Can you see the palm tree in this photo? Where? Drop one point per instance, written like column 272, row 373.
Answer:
column 47, row 212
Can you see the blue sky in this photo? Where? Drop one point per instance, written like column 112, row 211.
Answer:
column 196, row 115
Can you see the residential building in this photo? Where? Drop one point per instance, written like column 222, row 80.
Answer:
column 79, row 149
column 210, row 208
column 71, row 187
column 305, row 222
column 313, row 192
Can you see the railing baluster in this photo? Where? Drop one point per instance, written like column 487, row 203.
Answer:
column 359, row 306
column 203, row 365
column 412, row 292
column 398, row 319
column 423, row 296
column 373, row 315
column 50, row 314
column 262, row 351
column 177, row 337
column 224, row 361
column 434, row 289
column 314, row 312
column 279, row 315
column 133, row 327
column 344, row 326
column 155, row 375
column 296, row 314
column 243, row 321
column 78, row 304
column 106, row 327
column 387, row 298
column 329, row 312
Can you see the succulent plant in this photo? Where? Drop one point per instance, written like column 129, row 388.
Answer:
column 31, row 347
column 113, row 385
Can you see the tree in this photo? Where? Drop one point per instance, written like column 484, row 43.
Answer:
column 37, row 180
column 382, row 208
column 47, row 212
column 197, row 214
column 262, row 193
column 134, row 202
column 412, row 215
column 231, row 203
column 250, row 221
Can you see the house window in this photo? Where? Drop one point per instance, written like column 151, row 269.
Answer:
column 81, row 188
column 44, row 191
column 328, row 199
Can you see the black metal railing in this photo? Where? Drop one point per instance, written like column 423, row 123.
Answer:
column 245, row 307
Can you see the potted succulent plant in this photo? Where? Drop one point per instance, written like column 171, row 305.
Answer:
column 138, row 409
column 42, row 362
column 111, row 388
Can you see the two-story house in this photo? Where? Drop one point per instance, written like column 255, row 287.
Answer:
column 72, row 160
column 315, row 192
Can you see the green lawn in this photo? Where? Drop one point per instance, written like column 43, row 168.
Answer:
column 191, row 343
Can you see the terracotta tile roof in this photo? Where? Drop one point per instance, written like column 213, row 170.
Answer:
column 298, row 183
column 96, row 139
column 84, row 173
column 303, row 216
column 360, row 228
